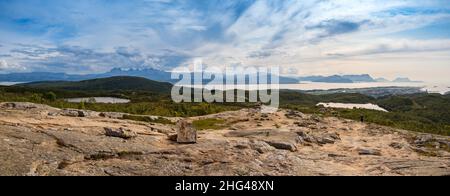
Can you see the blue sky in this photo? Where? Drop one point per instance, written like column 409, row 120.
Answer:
column 383, row 38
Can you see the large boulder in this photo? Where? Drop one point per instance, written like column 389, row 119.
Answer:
column 320, row 139
column 186, row 133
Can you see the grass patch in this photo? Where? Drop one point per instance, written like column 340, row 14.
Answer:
column 211, row 123
column 148, row 119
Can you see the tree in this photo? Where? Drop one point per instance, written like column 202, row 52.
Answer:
column 50, row 96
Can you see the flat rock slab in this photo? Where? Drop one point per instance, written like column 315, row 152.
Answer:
column 33, row 143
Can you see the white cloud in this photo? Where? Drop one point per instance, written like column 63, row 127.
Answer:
column 310, row 36
column 3, row 64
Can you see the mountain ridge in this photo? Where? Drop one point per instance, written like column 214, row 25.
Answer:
column 339, row 78
column 150, row 73
column 163, row 76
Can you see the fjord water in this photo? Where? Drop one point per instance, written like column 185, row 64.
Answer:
column 306, row 86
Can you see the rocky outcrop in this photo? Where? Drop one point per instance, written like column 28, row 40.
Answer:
column 283, row 145
column 120, row 133
column 25, row 106
column 72, row 113
column 77, row 113
column 35, row 143
column 260, row 146
column 317, row 138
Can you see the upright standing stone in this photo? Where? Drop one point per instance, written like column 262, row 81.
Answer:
column 186, row 133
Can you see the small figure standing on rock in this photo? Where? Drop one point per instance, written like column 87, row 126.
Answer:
column 362, row 118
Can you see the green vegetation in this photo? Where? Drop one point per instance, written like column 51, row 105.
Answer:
column 50, row 96
column 428, row 113
column 418, row 112
column 209, row 124
column 119, row 83
column 161, row 107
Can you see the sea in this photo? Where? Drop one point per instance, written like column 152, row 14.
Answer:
column 308, row 86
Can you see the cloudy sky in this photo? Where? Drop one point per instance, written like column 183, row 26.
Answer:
column 390, row 38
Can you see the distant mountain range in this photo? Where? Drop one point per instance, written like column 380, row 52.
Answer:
column 349, row 79
column 151, row 74
column 325, row 79
column 339, row 78
column 382, row 80
column 404, row 80
column 163, row 76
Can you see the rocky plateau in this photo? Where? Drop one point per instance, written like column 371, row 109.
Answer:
column 38, row 140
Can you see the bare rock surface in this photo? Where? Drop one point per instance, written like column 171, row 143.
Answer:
column 35, row 143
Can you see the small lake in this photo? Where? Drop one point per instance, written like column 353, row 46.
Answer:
column 98, row 100
column 368, row 106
